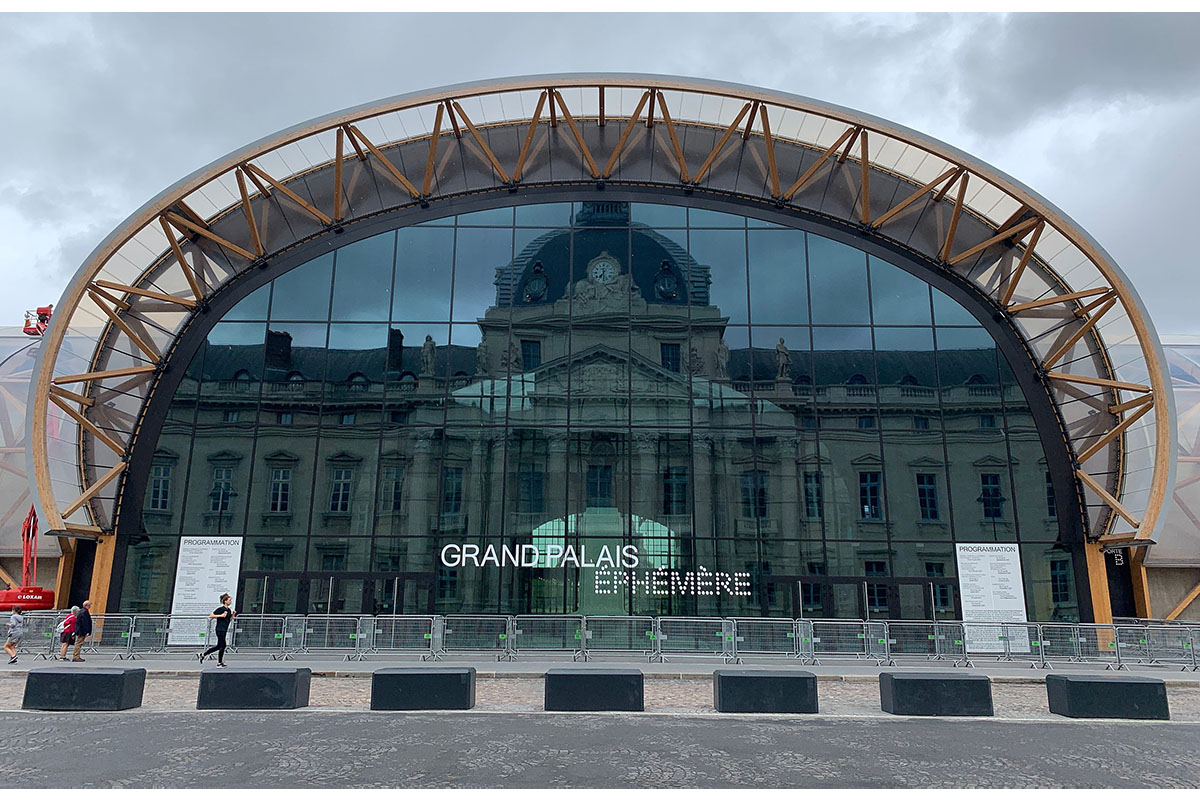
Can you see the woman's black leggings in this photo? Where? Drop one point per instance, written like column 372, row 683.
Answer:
column 218, row 648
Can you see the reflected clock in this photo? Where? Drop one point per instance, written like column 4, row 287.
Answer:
column 603, row 269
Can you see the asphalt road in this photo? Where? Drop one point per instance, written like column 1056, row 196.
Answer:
column 355, row 749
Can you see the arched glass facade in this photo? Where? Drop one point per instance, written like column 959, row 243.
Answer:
column 707, row 391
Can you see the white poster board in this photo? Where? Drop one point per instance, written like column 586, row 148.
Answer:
column 208, row 567
column 989, row 579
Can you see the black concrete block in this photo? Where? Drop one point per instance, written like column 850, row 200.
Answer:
column 1107, row 697
column 423, row 688
column 594, row 690
column 254, row 687
column 84, row 688
column 935, row 694
column 765, row 691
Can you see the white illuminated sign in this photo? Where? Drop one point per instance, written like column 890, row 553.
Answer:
column 616, row 568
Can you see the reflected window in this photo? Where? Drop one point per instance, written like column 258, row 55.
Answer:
column 347, row 418
column 989, row 495
column 927, row 496
column 230, row 416
column 280, row 496
column 447, row 583
column 341, row 481
column 392, row 492
column 987, row 420
column 599, row 486
column 160, row 487
column 920, row 423
column 1060, row 582
column 531, row 353
column 670, row 356
column 754, row 494
column 868, row 495
column 866, row 422
column 452, row 490
column 876, row 592
column 283, row 418
column 941, row 591
column 1051, row 506
column 531, row 498
column 222, row 489
column 812, row 495
column 675, row 483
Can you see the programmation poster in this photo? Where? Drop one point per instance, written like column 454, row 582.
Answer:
column 208, row 567
column 989, row 578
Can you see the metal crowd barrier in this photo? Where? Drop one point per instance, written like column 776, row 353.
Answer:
column 547, row 633
column 1040, row 645
column 397, row 634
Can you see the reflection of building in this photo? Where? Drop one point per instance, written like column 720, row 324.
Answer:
column 604, row 405
column 786, row 353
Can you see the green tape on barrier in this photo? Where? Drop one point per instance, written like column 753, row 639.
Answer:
column 353, row 636
column 1036, row 644
column 124, row 635
column 881, row 641
column 279, row 636
column 1112, row 644
column 504, row 636
column 577, row 636
column 862, row 635
column 806, row 640
column 958, row 641
column 791, row 635
column 429, row 636
column 931, row 637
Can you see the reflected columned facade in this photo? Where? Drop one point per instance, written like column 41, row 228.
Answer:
column 716, row 391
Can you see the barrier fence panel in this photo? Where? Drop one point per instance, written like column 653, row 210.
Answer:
column 879, row 643
column 1060, row 643
column 680, row 636
column 188, row 633
column 294, row 626
column 547, row 632
column 1098, row 644
column 1171, row 644
column 1133, row 644
column 40, row 639
column 257, row 633
column 110, row 636
column 397, row 634
column 804, row 642
column 332, row 633
column 619, row 635
column 917, row 641
column 1005, row 641
column 469, row 633
column 839, row 639
column 950, row 643
column 148, row 634
column 765, row 637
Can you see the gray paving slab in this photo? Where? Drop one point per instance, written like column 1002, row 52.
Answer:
column 315, row 748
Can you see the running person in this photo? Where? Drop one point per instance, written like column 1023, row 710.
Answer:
column 16, row 629
column 222, row 615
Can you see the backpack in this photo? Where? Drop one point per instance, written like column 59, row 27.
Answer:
column 62, row 625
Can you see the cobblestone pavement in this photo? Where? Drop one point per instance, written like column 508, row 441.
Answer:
column 314, row 748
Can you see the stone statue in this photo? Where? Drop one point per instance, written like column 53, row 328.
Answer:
column 510, row 359
column 722, row 359
column 783, row 361
column 481, row 358
column 695, row 362
column 427, row 356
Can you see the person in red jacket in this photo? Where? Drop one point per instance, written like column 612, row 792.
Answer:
column 67, row 632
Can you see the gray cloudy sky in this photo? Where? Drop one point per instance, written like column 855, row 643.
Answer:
column 1097, row 113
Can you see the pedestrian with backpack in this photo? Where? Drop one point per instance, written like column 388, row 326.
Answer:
column 66, row 632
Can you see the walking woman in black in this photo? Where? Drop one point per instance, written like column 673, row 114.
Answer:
column 223, row 615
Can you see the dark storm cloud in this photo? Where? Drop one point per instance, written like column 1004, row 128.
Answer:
column 104, row 111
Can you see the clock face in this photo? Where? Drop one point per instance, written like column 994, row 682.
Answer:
column 667, row 286
column 535, row 288
column 603, row 270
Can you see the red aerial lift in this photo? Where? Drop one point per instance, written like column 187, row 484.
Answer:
column 27, row 596
column 37, row 320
